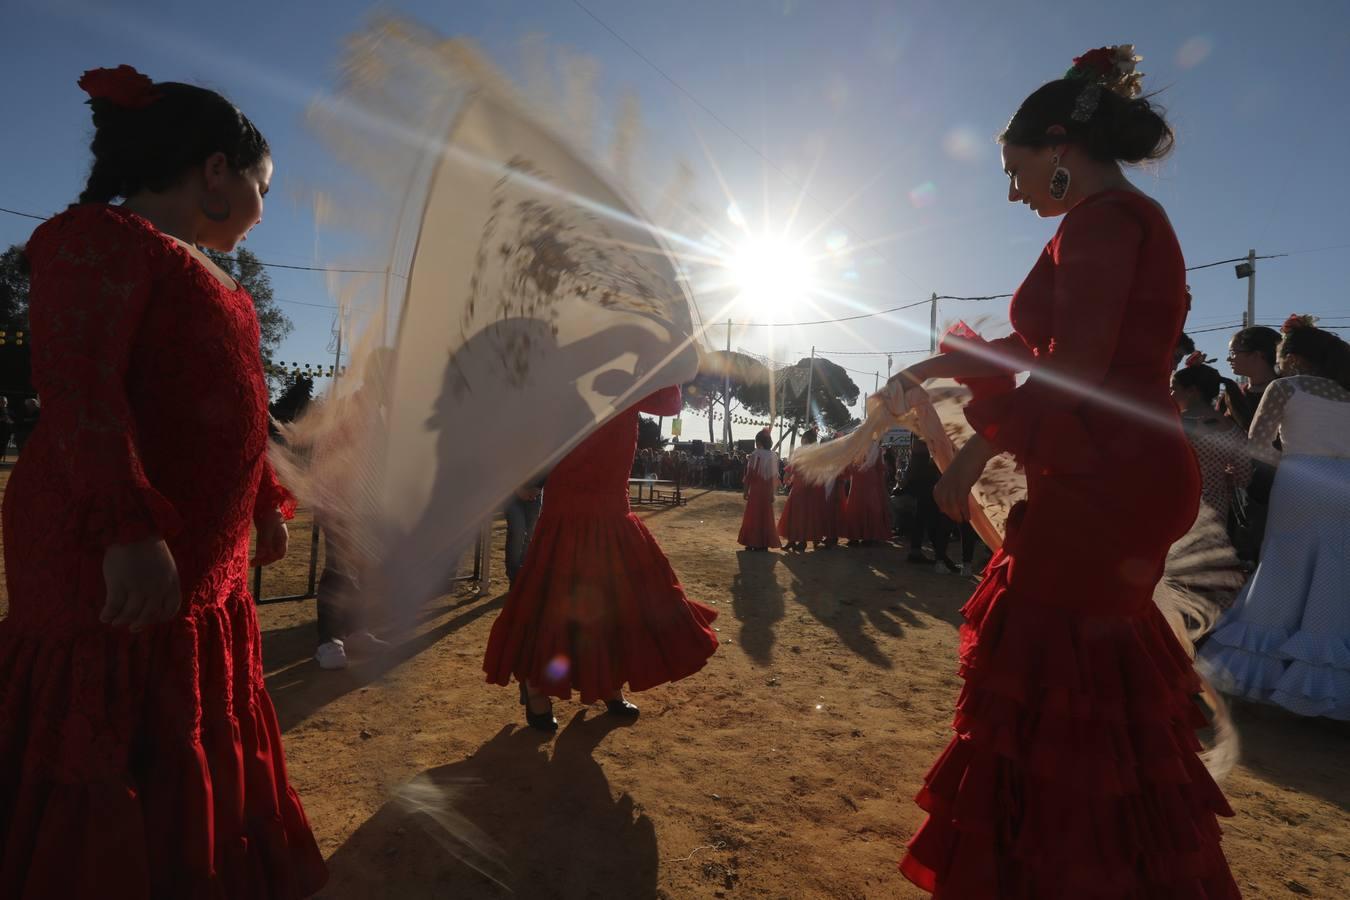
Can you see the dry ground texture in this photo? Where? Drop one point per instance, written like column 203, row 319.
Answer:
column 783, row 770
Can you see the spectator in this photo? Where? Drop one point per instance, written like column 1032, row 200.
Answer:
column 6, row 427
column 26, row 422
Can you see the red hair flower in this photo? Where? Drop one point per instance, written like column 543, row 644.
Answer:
column 1297, row 321
column 1198, row 358
column 1097, row 64
column 122, row 86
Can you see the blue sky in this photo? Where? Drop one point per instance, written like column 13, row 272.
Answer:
column 888, row 108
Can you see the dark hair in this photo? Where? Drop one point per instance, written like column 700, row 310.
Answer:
column 1205, row 379
column 764, row 439
column 810, row 436
column 1120, row 129
column 1258, row 339
column 151, row 147
column 1324, row 351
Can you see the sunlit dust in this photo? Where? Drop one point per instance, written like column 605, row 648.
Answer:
column 772, row 276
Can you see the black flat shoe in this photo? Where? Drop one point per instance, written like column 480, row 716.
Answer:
column 543, row 721
column 621, row 708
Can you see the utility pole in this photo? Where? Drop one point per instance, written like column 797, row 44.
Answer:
column 1251, row 286
column 810, row 377
column 726, row 392
column 932, row 324
column 888, row 367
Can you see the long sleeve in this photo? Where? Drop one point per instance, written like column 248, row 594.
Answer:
column 91, row 286
column 1095, row 265
column 272, row 494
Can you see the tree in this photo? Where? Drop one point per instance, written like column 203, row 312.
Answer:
column 706, row 393
column 296, row 393
column 832, row 392
column 273, row 324
column 16, row 365
column 649, row 434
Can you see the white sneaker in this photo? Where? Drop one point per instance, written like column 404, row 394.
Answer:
column 331, row 655
column 942, row 568
column 363, row 643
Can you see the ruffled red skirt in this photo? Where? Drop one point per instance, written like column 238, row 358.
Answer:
column 596, row 605
column 804, row 515
column 1074, row 770
column 757, row 527
column 147, row 766
column 867, row 513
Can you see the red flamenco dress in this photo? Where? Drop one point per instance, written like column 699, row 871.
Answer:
column 1074, row 772
column 867, row 514
column 144, row 765
column 804, row 516
column 596, row 603
column 761, row 485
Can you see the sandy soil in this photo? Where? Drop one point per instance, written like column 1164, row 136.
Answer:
column 783, row 770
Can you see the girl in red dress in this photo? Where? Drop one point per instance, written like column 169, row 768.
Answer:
column 761, row 486
column 139, row 753
column 1075, row 770
column 803, row 517
column 867, row 511
column 596, row 603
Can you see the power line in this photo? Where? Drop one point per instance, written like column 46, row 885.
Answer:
column 1236, row 259
column 15, row 212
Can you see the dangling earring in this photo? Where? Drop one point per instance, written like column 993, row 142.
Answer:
column 216, row 213
column 1059, row 181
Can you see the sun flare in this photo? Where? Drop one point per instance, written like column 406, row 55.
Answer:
column 772, row 276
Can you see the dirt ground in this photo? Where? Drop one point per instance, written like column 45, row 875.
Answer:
column 785, row 769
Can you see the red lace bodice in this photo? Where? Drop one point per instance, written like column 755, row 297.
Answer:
column 154, row 418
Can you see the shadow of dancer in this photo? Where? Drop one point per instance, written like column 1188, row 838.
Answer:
column 558, row 830
column 758, row 603
column 515, row 377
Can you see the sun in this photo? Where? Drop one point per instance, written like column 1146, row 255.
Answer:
column 772, row 276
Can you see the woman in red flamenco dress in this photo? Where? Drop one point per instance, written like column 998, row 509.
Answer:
column 139, row 753
column 804, row 515
column 1075, row 769
column 596, row 603
column 867, row 510
column 758, row 531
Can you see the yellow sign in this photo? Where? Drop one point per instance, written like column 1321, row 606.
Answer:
column 675, row 427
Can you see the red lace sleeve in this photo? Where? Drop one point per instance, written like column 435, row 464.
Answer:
column 272, row 494
column 1095, row 261
column 91, row 283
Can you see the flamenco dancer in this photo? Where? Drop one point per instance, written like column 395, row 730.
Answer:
column 1075, row 771
column 761, row 485
column 867, row 511
column 1285, row 639
column 139, row 752
column 596, row 603
column 803, row 518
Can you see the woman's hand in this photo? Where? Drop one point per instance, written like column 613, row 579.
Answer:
column 273, row 539
column 142, row 584
column 952, row 492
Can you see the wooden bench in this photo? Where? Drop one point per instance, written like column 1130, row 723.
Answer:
column 653, row 490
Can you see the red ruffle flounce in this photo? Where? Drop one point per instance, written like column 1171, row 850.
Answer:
column 804, row 515
column 757, row 525
column 147, row 766
column 866, row 515
column 596, row 605
column 1074, row 771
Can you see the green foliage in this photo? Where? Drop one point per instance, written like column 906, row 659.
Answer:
column 649, row 434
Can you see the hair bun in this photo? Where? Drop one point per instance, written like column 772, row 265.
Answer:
column 1297, row 321
column 1114, row 68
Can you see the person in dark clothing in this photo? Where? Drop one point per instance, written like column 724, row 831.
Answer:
column 920, row 479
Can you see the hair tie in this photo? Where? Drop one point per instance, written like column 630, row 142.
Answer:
column 1297, row 321
column 123, row 87
column 1198, row 358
